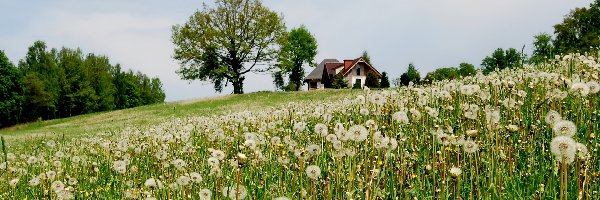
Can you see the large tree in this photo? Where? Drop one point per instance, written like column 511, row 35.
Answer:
column 11, row 93
column 41, row 82
column 221, row 44
column 579, row 31
column 297, row 48
column 542, row 48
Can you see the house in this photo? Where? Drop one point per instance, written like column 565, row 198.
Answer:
column 354, row 71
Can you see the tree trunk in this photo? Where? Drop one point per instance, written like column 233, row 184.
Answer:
column 238, row 85
column 296, row 76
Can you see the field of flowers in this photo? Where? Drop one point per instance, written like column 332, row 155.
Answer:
column 528, row 133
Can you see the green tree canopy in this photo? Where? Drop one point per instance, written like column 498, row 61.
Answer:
column 579, row 31
column 11, row 93
column 339, row 81
column 411, row 75
column 385, row 80
column 542, row 48
column 501, row 59
column 41, row 82
column 466, row 69
column 55, row 83
column 297, row 48
column 442, row 74
column 223, row 43
column 372, row 80
column 366, row 57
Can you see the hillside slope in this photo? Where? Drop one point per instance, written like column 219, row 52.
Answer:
column 150, row 115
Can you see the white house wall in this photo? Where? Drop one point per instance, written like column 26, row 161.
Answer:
column 351, row 76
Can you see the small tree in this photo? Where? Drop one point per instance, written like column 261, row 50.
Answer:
column 542, row 48
column 466, row 69
column 297, row 48
column 397, row 82
column 372, row 80
column 411, row 75
column 365, row 56
column 278, row 80
column 385, row 82
column 339, row 82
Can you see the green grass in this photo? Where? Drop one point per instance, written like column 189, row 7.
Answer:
column 84, row 125
column 481, row 137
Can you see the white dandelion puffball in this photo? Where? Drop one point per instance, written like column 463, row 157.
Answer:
column 120, row 166
column 358, row 133
column 313, row 172
column 235, row 192
column 153, row 183
column 594, row 87
column 321, row 129
column 580, row 88
column 313, row 149
column 13, row 182
column 57, row 186
column 470, row 147
column 455, row 172
column 184, row 180
column 565, row 128
column 196, row 177
column 564, row 148
column 205, row 194
column 218, row 154
column 552, row 117
column 401, row 117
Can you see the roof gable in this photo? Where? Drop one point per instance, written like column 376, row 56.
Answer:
column 360, row 60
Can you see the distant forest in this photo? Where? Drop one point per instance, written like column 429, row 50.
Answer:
column 62, row 83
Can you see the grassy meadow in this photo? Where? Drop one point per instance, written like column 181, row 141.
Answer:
column 528, row 133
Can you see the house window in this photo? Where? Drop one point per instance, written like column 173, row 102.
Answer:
column 358, row 71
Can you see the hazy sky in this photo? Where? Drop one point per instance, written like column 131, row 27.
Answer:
column 429, row 33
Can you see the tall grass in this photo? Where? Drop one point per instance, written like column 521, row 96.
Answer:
column 481, row 137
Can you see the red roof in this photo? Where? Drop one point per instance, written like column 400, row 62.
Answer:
column 347, row 69
column 332, row 66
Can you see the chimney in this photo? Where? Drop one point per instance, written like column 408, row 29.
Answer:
column 347, row 64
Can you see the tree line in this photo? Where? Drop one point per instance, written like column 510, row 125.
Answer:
column 50, row 84
column 579, row 32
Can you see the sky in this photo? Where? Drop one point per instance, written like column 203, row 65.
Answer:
column 429, row 33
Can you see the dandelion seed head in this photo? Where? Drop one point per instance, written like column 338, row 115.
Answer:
column 400, row 117
column 552, row 117
column 313, row 149
column 321, row 129
column 470, row 147
column 564, row 148
column 235, row 192
column 565, row 128
column 184, row 180
column 580, row 88
column 455, row 172
column 313, row 172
